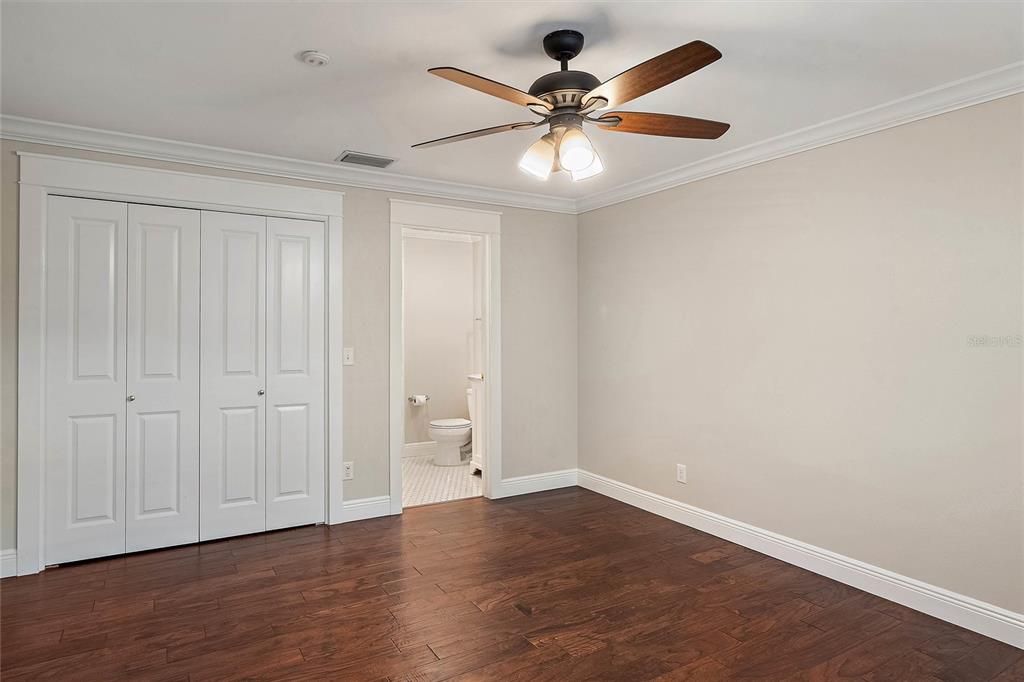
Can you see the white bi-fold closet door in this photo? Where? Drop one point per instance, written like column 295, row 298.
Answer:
column 263, row 374
column 133, row 460
column 122, row 378
column 162, row 454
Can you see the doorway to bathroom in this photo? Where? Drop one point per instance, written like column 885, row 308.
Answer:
column 445, row 354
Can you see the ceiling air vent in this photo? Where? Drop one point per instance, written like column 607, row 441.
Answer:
column 360, row 159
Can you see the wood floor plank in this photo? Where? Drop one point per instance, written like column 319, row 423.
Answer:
column 870, row 655
column 564, row 585
column 785, row 652
column 983, row 662
column 703, row 670
column 909, row 665
column 1014, row 673
column 339, row 665
column 506, row 668
column 446, row 668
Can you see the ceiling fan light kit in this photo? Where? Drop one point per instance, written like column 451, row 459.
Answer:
column 566, row 99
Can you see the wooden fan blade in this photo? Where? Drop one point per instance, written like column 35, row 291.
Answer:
column 654, row 73
column 486, row 85
column 478, row 133
column 666, row 125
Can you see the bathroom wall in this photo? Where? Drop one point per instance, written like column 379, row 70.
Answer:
column 439, row 326
column 803, row 335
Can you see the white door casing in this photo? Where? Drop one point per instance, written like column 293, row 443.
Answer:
column 415, row 215
column 295, row 372
column 86, row 382
column 232, row 394
column 162, row 466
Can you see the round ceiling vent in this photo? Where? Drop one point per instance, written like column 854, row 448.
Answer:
column 315, row 58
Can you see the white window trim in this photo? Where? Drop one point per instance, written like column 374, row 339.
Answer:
column 44, row 175
column 442, row 218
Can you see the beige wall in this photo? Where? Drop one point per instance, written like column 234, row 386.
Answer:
column 538, row 332
column 438, row 330
column 797, row 334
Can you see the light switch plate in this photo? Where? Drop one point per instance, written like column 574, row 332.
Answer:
column 349, row 472
column 348, row 356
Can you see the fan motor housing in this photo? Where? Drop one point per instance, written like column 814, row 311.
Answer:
column 564, row 88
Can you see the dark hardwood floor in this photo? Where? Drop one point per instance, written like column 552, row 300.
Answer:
column 565, row 585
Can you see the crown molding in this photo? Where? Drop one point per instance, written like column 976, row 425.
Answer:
column 125, row 144
column 983, row 87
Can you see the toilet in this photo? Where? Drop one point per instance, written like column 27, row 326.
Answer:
column 450, row 435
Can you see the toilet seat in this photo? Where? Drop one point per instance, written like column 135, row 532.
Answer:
column 457, row 423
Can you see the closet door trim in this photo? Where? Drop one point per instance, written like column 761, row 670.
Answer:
column 42, row 176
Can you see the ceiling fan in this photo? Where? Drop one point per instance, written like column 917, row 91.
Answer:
column 567, row 99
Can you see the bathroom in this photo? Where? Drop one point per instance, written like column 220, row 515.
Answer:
column 442, row 458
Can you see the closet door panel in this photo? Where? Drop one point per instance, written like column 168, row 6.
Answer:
column 233, row 410
column 163, row 377
column 85, row 378
column 295, row 373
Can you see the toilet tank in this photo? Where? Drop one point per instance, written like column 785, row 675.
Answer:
column 469, row 403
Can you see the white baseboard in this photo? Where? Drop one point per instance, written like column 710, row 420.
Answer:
column 986, row 619
column 8, row 563
column 426, row 447
column 535, row 483
column 365, row 508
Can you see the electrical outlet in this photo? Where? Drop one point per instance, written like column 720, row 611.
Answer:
column 349, row 471
column 681, row 473
column 348, row 356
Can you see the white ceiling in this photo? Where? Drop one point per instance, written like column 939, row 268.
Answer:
column 227, row 75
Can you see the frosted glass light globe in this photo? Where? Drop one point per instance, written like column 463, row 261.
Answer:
column 590, row 171
column 539, row 158
column 575, row 151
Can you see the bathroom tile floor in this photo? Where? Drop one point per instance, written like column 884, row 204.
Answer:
column 424, row 483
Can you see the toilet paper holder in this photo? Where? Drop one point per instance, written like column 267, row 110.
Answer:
column 412, row 398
